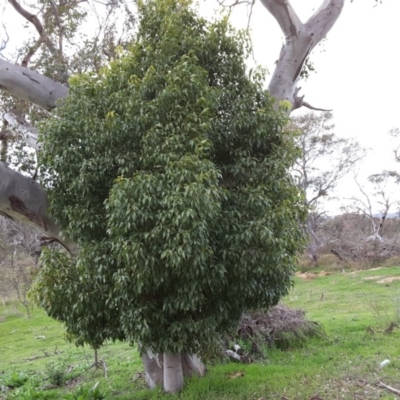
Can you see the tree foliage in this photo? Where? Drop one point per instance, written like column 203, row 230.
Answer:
column 170, row 168
column 325, row 157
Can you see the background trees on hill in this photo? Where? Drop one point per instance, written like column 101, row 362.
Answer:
column 345, row 236
column 19, row 253
column 325, row 159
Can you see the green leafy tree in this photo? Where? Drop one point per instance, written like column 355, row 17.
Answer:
column 169, row 168
column 68, row 295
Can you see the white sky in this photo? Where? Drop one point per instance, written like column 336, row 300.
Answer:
column 357, row 75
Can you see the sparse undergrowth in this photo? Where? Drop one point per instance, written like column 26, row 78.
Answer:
column 356, row 309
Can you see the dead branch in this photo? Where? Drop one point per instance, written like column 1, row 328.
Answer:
column 104, row 366
column 4, row 42
column 389, row 388
column 249, row 3
column 337, row 254
column 305, row 104
column 234, row 3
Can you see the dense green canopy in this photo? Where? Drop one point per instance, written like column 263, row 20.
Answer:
column 170, row 169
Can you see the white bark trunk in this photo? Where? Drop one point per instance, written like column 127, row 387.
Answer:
column 154, row 367
column 29, row 85
column 300, row 41
column 173, row 373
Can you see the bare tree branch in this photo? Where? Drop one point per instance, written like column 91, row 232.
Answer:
column 31, row 52
column 34, row 20
column 60, row 29
column 305, row 104
column 324, row 19
column 389, row 388
column 286, row 17
column 23, row 199
column 5, row 41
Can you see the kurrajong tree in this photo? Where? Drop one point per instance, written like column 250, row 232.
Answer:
column 44, row 87
column 170, row 170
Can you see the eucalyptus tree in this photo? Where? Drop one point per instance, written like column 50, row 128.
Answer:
column 19, row 253
column 22, row 198
column 325, row 159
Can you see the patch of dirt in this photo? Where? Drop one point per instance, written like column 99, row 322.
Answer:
column 371, row 278
column 361, row 270
column 390, row 279
column 308, row 276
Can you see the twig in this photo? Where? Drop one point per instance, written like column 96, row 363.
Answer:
column 105, row 369
column 80, row 373
column 305, row 104
column 87, row 359
column 387, row 387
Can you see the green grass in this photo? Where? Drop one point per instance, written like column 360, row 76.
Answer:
column 354, row 308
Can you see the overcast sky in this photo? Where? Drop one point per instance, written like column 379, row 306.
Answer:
column 357, row 74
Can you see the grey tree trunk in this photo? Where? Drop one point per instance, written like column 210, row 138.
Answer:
column 154, row 367
column 301, row 38
column 173, row 373
column 23, row 199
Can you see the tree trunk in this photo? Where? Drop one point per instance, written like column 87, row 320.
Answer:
column 154, row 367
column 23, row 199
column 96, row 357
column 300, row 41
column 173, row 373
column 31, row 86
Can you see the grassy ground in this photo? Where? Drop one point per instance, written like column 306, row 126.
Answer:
column 356, row 309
